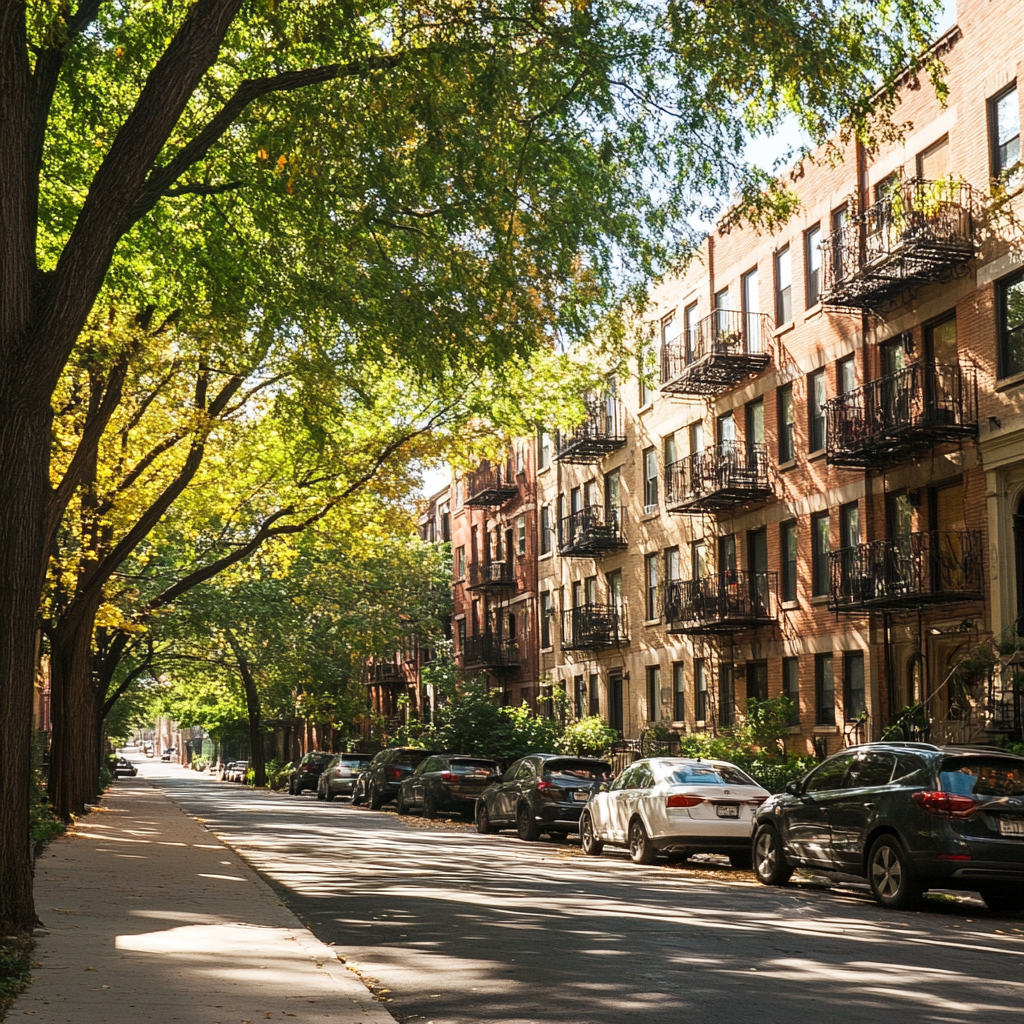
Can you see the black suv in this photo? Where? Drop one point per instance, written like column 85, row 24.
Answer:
column 446, row 782
column 540, row 793
column 380, row 782
column 307, row 774
column 906, row 816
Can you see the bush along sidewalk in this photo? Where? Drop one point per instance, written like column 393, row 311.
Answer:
column 15, row 968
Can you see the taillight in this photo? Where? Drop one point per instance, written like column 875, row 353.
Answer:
column 394, row 774
column 756, row 801
column 683, row 801
column 548, row 790
column 947, row 805
column 447, row 777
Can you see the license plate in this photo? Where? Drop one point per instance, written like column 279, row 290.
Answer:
column 581, row 796
column 1011, row 826
column 727, row 810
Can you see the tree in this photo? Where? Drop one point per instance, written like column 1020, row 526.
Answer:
column 447, row 187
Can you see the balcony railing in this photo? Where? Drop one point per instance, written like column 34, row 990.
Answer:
column 931, row 567
column 489, row 651
column 490, row 486
column 901, row 414
column 602, row 432
column 721, row 603
column 722, row 477
column 491, row 576
column 918, row 233
column 592, row 532
column 594, row 627
column 716, row 353
column 383, row 672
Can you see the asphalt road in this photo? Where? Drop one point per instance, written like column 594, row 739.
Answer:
column 470, row 929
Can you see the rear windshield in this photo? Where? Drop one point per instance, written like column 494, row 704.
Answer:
column 982, row 776
column 709, row 775
column 318, row 759
column 473, row 767
column 354, row 760
column 412, row 757
column 585, row 771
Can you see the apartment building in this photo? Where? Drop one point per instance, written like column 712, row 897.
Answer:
column 819, row 490
column 494, row 544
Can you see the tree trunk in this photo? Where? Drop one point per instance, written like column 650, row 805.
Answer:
column 252, row 704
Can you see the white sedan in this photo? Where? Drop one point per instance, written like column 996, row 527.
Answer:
column 675, row 805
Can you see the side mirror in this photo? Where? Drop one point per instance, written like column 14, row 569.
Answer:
column 793, row 788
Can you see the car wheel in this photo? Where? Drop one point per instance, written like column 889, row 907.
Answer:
column 1003, row 901
column 641, row 849
column 400, row 807
column 357, row 800
column 291, row 788
column 429, row 805
column 742, row 861
column 891, row 875
column 376, row 803
column 592, row 846
column 483, row 821
column 320, row 793
column 526, row 826
column 329, row 794
column 769, row 861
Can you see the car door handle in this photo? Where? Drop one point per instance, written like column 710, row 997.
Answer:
column 869, row 805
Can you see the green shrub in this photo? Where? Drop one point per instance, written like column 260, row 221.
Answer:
column 587, row 737
column 44, row 825
column 277, row 774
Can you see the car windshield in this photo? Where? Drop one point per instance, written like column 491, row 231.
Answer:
column 318, row 759
column 982, row 776
column 473, row 767
column 709, row 775
column 579, row 771
column 356, row 761
column 412, row 757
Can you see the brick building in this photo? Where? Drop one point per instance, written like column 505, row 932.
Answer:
column 819, row 490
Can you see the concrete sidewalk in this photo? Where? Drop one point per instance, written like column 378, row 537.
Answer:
column 151, row 919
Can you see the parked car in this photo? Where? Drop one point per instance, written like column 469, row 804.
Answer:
column 168, row 753
column 358, row 795
column 907, row 817
column 235, row 771
column 379, row 783
column 446, row 782
column 339, row 776
column 124, row 767
column 306, row 774
column 540, row 793
column 674, row 805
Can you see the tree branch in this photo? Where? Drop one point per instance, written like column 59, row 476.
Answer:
column 203, row 190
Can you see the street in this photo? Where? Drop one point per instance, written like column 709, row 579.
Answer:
column 463, row 928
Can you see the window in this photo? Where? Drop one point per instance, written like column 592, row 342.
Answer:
column 812, row 261
column 838, row 223
column 690, row 329
column 593, row 695
column 783, row 287
column 816, row 410
column 546, row 532
column 579, row 696
column 670, row 455
column 672, row 565
column 698, row 560
column 653, row 693
column 651, row 589
column 849, row 525
column 1011, row 326
column 757, row 680
column 722, row 311
column 1004, row 131
column 726, row 696
column 933, row 163
column 791, row 687
column 547, row 614
column 787, row 544
column 696, row 431
column 824, row 690
column 460, row 562
column 829, row 776
column 650, row 480
column 678, row 692
column 700, row 691
column 614, row 580
column 870, row 770
column 819, row 554
column 752, row 312
column 458, row 493
column 543, row 450
column 787, row 429
column 854, row 701
column 520, row 458
column 521, row 534
column 612, row 495
column 645, row 362
column 461, row 634
column 846, row 375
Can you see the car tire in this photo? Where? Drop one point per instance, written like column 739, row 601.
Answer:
column 525, row 825
column 891, row 875
column 429, row 805
column 589, row 841
column 483, row 821
column 329, row 794
column 400, row 807
column 641, row 849
column 376, row 803
column 1003, row 901
column 320, row 794
column 357, row 801
column 769, row 860
column 291, row 788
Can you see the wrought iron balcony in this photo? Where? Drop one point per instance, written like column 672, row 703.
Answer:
column 491, row 576
column 594, row 627
column 602, row 432
column 489, row 652
column 931, row 567
column 490, row 486
column 918, row 233
column 383, row 672
column 901, row 414
column 722, row 477
column 721, row 603
column 591, row 532
column 716, row 353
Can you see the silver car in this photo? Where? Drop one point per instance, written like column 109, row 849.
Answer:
column 339, row 776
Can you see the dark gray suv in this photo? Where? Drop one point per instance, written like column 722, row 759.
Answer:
column 905, row 816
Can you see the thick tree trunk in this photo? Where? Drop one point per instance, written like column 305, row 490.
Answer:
column 252, row 704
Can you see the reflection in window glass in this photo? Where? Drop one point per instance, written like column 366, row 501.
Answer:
column 982, row 777
column 709, row 775
column 1012, row 327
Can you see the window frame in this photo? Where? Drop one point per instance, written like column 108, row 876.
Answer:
column 817, row 425
column 678, row 691
column 789, row 565
column 791, row 688
column 786, row 431
column 993, row 131
column 547, row 617
column 650, row 456
column 783, row 293
column 651, row 609
column 851, row 658
column 700, row 690
column 653, row 680
column 812, row 277
column 546, row 532
column 819, row 559
column 1003, row 286
column 824, row 714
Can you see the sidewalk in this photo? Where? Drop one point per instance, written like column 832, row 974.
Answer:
column 151, row 919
